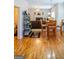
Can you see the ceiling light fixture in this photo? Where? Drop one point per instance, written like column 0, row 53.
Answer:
column 37, row 10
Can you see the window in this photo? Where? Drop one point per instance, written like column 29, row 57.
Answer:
column 53, row 14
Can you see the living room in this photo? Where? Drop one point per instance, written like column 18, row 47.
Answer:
column 36, row 11
column 55, row 37
column 39, row 29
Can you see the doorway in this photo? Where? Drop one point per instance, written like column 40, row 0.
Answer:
column 16, row 18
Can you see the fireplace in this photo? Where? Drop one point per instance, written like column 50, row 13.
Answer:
column 39, row 18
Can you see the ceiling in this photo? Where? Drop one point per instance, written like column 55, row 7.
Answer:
column 43, row 3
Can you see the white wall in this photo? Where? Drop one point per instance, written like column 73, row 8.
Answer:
column 23, row 5
column 59, row 12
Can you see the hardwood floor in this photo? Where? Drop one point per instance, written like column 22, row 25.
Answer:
column 40, row 48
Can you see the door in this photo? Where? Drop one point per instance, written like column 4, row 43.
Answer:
column 16, row 18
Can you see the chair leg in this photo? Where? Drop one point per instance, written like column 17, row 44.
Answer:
column 60, row 29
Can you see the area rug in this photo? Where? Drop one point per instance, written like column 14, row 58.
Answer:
column 35, row 35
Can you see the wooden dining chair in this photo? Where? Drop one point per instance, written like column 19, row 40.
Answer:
column 61, row 25
column 51, row 28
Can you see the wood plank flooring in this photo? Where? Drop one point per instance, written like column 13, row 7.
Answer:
column 40, row 48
